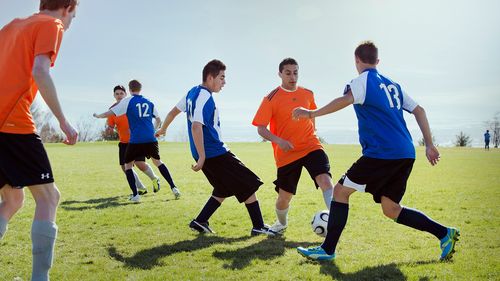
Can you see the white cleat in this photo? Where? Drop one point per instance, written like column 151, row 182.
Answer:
column 135, row 199
column 278, row 227
column 176, row 193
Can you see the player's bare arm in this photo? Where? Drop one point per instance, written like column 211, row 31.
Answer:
column 168, row 119
column 41, row 74
column 104, row 115
column 430, row 150
column 335, row 105
column 266, row 134
column 197, row 131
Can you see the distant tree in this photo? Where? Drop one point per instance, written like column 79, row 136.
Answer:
column 108, row 134
column 421, row 141
column 494, row 126
column 463, row 140
column 44, row 122
column 87, row 129
column 322, row 140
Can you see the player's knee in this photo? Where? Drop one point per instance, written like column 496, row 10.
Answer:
column 340, row 193
column 391, row 210
column 324, row 181
column 14, row 203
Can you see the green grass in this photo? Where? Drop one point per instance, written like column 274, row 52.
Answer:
column 104, row 237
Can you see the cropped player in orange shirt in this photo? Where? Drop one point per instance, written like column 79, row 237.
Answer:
column 122, row 127
column 294, row 142
column 28, row 48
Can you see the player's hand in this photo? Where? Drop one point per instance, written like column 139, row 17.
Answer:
column 199, row 165
column 285, row 145
column 160, row 132
column 432, row 154
column 300, row 112
column 70, row 132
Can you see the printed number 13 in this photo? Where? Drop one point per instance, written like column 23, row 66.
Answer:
column 388, row 90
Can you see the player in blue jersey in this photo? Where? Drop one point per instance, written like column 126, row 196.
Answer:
column 388, row 154
column 225, row 172
column 487, row 140
column 140, row 113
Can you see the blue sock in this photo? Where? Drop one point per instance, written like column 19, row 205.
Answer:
column 336, row 223
column 131, row 181
column 255, row 214
column 164, row 172
column 208, row 210
column 418, row 220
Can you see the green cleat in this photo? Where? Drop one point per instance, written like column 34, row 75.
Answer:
column 448, row 243
column 156, row 185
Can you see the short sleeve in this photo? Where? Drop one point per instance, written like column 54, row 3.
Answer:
column 48, row 39
column 199, row 108
column 181, row 105
column 155, row 112
column 358, row 88
column 408, row 103
column 121, row 107
column 264, row 113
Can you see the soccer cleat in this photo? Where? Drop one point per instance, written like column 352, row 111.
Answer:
column 156, row 185
column 176, row 192
column 201, row 227
column 315, row 253
column 136, row 198
column 142, row 191
column 447, row 244
column 266, row 230
column 278, row 227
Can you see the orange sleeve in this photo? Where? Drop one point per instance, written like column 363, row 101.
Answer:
column 264, row 113
column 48, row 39
column 312, row 104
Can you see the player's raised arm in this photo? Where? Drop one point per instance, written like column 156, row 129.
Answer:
column 41, row 75
column 168, row 119
column 104, row 114
column 430, row 150
column 335, row 105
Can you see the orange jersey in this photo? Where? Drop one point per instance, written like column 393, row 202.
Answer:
column 276, row 110
column 121, row 124
column 20, row 41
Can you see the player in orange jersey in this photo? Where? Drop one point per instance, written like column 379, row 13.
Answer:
column 120, row 123
column 294, row 142
column 28, row 48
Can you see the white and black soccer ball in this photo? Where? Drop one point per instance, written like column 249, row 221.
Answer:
column 319, row 222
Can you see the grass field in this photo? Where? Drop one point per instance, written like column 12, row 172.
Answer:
column 104, row 237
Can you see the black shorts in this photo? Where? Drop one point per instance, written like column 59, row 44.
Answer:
column 316, row 163
column 122, row 148
column 229, row 176
column 23, row 161
column 379, row 177
column 137, row 150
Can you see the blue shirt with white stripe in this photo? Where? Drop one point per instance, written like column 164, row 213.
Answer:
column 199, row 106
column 379, row 103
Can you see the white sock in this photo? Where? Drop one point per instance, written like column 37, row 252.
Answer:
column 282, row 215
column 149, row 172
column 43, row 237
column 3, row 227
column 138, row 182
column 328, row 197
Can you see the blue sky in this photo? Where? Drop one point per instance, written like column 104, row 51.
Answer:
column 444, row 54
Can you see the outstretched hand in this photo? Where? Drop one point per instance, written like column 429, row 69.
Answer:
column 432, row 154
column 160, row 132
column 300, row 112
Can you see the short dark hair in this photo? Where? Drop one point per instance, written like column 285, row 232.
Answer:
column 134, row 86
column 119, row 87
column 287, row 61
column 367, row 52
column 53, row 5
column 213, row 68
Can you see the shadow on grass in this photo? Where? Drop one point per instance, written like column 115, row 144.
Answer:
column 149, row 258
column 98, row 203
column 381, row 272
column 264, row 250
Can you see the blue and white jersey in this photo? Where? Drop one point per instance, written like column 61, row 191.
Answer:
column 199, row 106
column 140, row 113
column 379, row 103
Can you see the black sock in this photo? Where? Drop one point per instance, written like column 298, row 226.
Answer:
column 418, row 220
column 131, row 181
column 164, row 172
column 336, row 223
column 255, row 214
column 208, row 210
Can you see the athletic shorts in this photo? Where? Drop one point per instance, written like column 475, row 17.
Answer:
column 230, row 177
column 379, row 177
column 316, row 163
column 23, row 161
column 122, row 148
column 144, row 150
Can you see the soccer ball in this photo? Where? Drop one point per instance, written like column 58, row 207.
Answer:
column 319, row 222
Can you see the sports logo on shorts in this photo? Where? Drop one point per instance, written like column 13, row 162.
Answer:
column 45, row 176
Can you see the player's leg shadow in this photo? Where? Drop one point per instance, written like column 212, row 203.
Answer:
column 264, row 250
column 149, row 258
column 98, row 203
column 381, row 272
